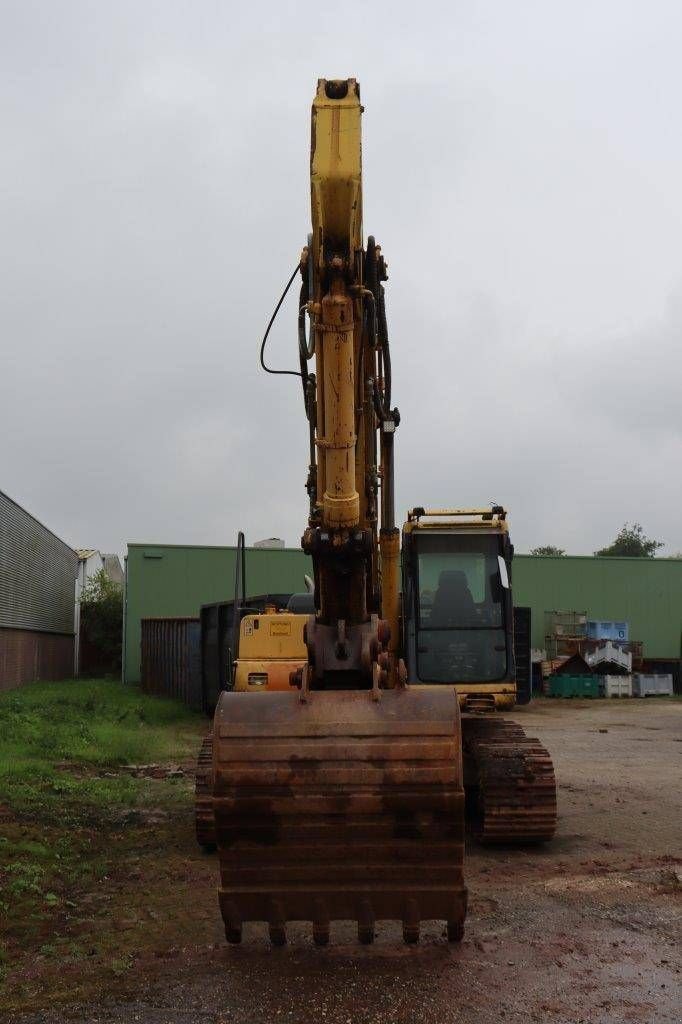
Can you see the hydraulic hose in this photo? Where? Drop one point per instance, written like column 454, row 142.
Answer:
column 285, row 373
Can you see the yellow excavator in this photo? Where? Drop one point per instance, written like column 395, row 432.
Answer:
column 359, row 717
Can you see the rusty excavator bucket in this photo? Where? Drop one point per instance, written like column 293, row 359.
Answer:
column 344, row 805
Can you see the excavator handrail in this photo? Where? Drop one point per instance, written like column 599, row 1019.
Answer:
column 497, row 511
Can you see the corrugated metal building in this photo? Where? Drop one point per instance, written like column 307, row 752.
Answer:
column 37, row 599
column 168, row 580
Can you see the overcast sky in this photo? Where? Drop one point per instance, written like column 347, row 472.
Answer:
column 522, row 170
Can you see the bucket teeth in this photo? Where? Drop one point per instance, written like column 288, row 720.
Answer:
column 278, row 934
column 321, row 924
column 365, row 923
column 411, row 922
column 233, row 923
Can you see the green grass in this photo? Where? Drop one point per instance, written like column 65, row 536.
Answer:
column 88, row 724
column 64, row 800
column 95, row 722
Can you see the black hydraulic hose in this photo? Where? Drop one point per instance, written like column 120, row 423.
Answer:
column 385, row 348
column 380, row 410
column 285, row 373
column 370, row 301
column 369, row 296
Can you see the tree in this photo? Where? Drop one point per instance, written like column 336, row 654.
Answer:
column 547, row 549
column 631, row 543
column 102, row 619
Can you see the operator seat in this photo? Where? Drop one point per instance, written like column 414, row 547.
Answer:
column 301, row 604
column 453, row 604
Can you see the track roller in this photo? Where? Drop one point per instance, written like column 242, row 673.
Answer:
column 366, row 923
column 278, row 934
column 411, row 923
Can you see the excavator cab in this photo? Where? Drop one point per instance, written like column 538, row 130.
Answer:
column 457, row 604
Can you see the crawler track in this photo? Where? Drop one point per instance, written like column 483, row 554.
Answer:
column 204, row 822
column 516, row 788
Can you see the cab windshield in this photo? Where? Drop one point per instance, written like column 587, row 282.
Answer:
column 460, row 609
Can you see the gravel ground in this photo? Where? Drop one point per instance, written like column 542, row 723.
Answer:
column 585, row 930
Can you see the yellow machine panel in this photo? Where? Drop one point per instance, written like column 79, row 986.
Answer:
column 271, row 647
column 268, row 636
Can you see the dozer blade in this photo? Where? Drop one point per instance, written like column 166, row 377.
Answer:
column 340, row 807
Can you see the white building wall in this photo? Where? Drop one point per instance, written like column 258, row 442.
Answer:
column 87, row 568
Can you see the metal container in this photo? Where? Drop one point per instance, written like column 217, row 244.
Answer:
column 171, row 659
column 216, row 628
column 573, row 686
column 645, row 685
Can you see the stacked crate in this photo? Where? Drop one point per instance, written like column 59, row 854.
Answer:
column 648, row 685
column 616, row 686
column 565, row 631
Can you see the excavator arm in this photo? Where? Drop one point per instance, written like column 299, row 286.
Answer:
column 350, row 644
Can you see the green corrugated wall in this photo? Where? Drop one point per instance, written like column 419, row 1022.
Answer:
column 173, row 580
column 646, row 592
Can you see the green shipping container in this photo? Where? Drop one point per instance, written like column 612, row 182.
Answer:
column 573, row 686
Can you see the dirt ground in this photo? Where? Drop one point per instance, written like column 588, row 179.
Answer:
column 587, row 929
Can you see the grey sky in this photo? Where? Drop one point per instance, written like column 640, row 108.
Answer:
column 522, row 166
